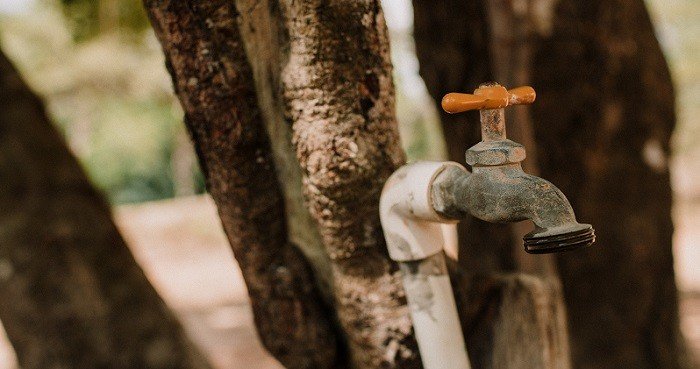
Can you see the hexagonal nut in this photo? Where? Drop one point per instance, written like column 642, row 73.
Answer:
column 495, row 153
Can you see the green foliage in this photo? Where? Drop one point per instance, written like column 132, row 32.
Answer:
column 89, row 18
column 132, row 15
column 135, row 141
column 678, row 30
column 83, row 17
column 111, row 97
column 419, row 125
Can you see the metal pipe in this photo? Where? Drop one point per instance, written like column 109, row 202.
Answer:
column 493, row 127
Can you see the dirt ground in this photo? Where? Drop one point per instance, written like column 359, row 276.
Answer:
column 182, row 248
column 185, row 254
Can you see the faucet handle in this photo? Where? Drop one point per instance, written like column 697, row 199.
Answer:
column 488, row 96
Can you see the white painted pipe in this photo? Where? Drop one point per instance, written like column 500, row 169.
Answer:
column 415, row 238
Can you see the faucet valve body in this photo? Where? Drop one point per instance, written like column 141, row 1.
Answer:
column 498, row 190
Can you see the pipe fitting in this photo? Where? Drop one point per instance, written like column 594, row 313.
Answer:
column 414, row 237
column 489, row 153
column 420, row 198
column 412, row 227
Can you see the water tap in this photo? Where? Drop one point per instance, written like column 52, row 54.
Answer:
column 498, row 190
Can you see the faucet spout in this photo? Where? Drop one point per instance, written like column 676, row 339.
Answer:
column 505, row 193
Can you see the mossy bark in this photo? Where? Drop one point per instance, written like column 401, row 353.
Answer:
column 317, row 77
column 214, row 82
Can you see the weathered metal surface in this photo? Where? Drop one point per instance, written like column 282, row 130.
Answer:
column 489, row 153
column 499, row 191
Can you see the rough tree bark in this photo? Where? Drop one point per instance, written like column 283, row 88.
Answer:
column 338, row 97
column 323, row 83
column 602, row 124
column 72, row 296
column 603, row 60
column 214, row 82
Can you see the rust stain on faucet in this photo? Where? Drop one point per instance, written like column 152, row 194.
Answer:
column 498, row 190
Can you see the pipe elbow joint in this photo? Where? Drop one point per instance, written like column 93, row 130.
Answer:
column 412, row 228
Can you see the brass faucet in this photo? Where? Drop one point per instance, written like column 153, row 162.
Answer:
column 498, row 190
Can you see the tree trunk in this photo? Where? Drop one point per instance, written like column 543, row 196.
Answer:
column 324, row 91
column 214, row 82
column 72, row 294
column 602, row 124
column 338, row 96
column 612, row 138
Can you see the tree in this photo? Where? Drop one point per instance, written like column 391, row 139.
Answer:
column 72, row 295
column 213, row 80
column 316, row 78
column 601, row 126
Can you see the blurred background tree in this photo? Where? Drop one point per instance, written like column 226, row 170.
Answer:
column 72, row 295
column 102, row 74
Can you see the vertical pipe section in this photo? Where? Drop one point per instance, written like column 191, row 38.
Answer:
column 493, row 125
column 434, row 313
column 414, row 236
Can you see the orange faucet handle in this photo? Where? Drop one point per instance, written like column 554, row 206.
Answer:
column 491, row 96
